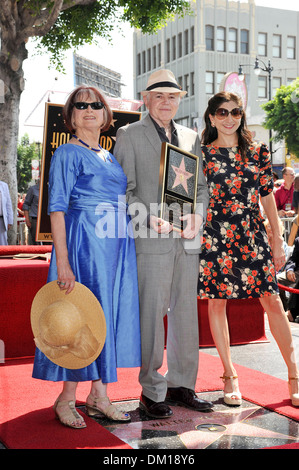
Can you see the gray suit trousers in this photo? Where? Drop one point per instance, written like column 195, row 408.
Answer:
column 172, row 291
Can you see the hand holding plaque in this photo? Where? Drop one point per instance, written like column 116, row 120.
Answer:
column 177, row 184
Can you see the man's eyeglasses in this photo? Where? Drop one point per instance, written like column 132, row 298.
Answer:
column 223, row 113
column 83, row 105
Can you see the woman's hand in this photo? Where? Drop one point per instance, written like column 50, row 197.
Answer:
column 279, row 256
column 193, row 225
column 66, row 278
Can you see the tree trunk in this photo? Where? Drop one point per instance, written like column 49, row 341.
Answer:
column 11, row 74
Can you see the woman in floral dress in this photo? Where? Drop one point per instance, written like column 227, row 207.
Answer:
column 236, row 260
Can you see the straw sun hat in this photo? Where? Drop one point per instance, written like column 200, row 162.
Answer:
column 70, row 329
column 163, row 81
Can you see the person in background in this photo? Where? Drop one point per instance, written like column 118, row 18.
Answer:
column 6, row 212
column 93, row 246
column 290, row 278
column 284, row 194
column 30, row 209
column 167, row 264
column 294, row 232
column 237, row 261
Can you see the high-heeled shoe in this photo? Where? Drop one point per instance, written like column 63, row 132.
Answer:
column 233, row 398
column 294, row 396
column 108, row 410
column 67, row 414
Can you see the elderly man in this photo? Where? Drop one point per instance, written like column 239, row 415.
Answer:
column 167, row 263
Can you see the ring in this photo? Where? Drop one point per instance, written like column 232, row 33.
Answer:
column 61, row 283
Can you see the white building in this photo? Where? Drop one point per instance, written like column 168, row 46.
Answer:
column 220, row 35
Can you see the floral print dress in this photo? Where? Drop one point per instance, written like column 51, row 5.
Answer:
column 236, row 260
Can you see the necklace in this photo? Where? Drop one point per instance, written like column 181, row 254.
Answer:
column 88, row 146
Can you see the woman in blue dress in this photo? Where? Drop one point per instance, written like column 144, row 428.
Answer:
column 93, row 245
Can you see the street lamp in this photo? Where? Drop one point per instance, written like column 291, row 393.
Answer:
column 257, row 70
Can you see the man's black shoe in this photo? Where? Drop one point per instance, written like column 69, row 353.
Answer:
column 154, row 409
column 185, row 397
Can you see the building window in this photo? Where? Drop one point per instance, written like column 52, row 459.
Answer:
column 180, row 81
column 291, row 47
column 209, row 38
column 209, row 83
column 143, row 62
column 186, row 34
column 276, row 49
column 149, row 59
column 276, row 83
column 159, row 55
column 168, row 50
column 180, row 45
column 244, row 41
column 192, row 84
column 262, row 87
column 192, row 39
column 290, row 81
column 186, row 83
column 221, row 39
column 232, row 40
column 173, row 47
column 262, row 44
column 138, row 64
column 155, row 57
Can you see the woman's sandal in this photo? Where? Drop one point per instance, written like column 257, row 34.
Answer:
column 294, row 396
column 68, row 417
column 233, row 398
column 109, row 411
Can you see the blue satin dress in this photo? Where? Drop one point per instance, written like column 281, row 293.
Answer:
column 101, row 251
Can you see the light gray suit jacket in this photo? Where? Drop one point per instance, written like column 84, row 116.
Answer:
column 138, row 150
column 7, row 210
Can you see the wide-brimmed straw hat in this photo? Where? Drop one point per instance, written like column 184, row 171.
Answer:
column 164, row 81
column 70, row 329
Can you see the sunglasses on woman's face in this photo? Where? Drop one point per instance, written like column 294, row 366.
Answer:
column 223, row 113
column 83, row 105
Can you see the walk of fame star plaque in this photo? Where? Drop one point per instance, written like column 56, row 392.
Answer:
column 177, row 184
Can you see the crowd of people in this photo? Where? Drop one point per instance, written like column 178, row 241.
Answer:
column 152, row 270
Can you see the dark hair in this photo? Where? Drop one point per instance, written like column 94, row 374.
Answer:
column 92, row 93
column 210, row 133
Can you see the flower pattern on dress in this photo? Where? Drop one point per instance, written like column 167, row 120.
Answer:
column 236, row 259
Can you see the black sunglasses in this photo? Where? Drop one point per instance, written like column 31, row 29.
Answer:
column 223, row 113
column 83, row 105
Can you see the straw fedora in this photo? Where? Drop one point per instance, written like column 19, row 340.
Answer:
column 164, row 81
column 70, row 329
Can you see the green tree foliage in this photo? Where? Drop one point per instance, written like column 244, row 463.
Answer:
column 84, row 24
column 26, row 152
column 282, row 115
